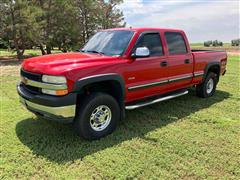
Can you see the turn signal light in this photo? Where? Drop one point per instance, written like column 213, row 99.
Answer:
column 61, row 92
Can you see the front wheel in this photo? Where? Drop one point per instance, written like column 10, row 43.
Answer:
column 208, row 87
column 97, row 117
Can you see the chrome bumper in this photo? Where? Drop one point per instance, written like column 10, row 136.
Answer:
column 63, row 111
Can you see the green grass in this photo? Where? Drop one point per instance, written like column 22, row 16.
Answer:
column 184, row 138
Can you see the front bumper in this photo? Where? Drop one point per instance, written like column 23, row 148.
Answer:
column 60, row 108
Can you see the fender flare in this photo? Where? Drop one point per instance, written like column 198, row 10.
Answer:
column 99, row 78
column 208, row 66
column 78, row 86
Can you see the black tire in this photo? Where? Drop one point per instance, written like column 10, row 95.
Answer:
column 202, row 89
column 82, row 123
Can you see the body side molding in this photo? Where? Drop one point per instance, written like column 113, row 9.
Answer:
column 159, row 83
column 198, row 73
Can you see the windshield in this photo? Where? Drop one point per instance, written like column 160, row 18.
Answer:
column 109, row 42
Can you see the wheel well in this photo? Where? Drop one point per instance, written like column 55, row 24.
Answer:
column 215, row 69
column 111, row 87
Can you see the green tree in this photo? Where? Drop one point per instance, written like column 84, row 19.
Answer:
column 86, row 18
column 109, row 15
column 59, row 25
column 55, row 23
column 67, row 33
column 94, row 15
column 19, row 24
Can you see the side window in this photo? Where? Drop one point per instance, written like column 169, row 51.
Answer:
column 152, row 42
column 175, row 43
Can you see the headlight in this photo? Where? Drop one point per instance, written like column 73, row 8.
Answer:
column 54, row 79
column 59, row 80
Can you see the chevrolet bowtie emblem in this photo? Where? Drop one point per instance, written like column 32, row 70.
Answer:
column 24, row 80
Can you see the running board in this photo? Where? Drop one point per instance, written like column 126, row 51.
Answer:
column 130, row 107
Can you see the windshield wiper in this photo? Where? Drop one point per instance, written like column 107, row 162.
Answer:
column 93, row 51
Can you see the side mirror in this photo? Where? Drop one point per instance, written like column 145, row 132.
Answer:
column 141, row 52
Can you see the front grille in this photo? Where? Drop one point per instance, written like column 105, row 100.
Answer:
column 34, row 77
column 32, row 89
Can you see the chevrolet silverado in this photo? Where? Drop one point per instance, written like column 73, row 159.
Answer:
column 118, row 69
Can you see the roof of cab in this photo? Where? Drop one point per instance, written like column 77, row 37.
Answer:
column 140, row 29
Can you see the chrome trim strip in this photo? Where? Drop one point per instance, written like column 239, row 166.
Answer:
column 196, row 74
column 147, row 85
column 62, row 111
column 159, row 82
column 156, row 100
column 180, row 78
column 98, row 75
column 43, row 85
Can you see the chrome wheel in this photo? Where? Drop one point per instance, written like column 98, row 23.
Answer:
column 210, row 85
column 100, row 118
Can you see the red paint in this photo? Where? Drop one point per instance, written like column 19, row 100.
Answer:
column 145, row 70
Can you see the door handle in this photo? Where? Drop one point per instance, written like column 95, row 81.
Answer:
column 187, row 61
column 163, row 64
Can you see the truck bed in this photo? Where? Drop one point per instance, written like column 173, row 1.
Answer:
column 204, row 57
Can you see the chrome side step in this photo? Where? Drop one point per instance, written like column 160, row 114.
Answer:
column 130, row 107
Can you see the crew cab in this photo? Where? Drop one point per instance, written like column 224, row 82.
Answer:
column 118, row 69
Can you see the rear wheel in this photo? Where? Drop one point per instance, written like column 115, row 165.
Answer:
column 208, row 87
column 97, row 117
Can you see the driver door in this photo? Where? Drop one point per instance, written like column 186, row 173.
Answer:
column 146, row 76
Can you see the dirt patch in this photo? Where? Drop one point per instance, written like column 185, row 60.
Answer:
column 13, row 58
column 8, row 58
column 10, row 68
column 234, row 53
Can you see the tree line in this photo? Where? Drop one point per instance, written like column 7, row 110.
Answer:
column 65, row 24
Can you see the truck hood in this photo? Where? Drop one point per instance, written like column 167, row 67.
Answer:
column 56, row 64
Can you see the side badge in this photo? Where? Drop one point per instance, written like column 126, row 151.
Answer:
column 131, row 78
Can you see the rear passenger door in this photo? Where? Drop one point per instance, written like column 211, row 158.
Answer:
column 180, row 60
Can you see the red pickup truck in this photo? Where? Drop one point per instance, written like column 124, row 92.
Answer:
column 117, row 69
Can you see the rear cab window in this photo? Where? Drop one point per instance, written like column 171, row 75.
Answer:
column 153, row 42
column 175, row 43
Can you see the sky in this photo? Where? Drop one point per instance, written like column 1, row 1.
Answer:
column 201, row 19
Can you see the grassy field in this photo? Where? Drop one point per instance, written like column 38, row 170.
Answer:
column 226, row 47
column 184, row 138
column 7, row 54
column 200, row 45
